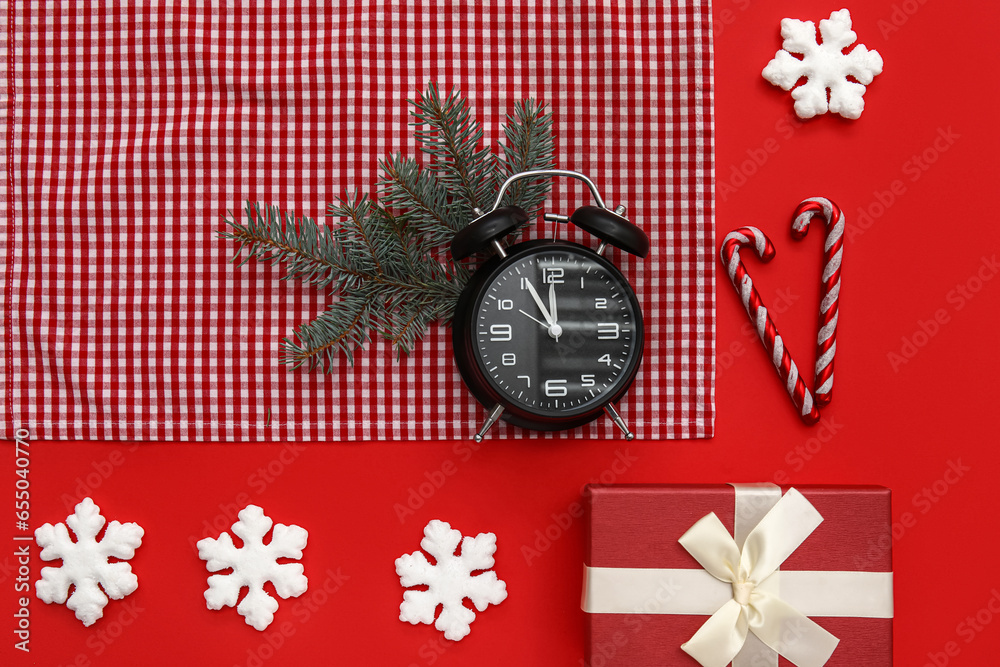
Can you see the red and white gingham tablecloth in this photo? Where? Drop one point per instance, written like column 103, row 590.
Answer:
column 130, row 129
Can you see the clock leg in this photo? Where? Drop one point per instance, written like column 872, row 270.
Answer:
column 619, row 422
column 490, row 420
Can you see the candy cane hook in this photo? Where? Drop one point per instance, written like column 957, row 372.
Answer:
column 829, row 307
column 766, row 330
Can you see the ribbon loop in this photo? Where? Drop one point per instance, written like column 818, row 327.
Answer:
column 713, row 547
column 754, row 609
column 779, row 533
column 720, row 638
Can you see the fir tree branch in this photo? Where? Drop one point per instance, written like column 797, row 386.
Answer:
column 406, row 326
column 383, row 261
column 529, row 146
column 340, row 329
column 422, row 201
column 451, row 139
column 274, row 236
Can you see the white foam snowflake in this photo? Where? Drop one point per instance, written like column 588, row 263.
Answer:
column 85, row 564
column 825, row 66
column 254, row 564
column 449, row 580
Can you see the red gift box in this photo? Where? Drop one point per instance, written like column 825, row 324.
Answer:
column 633, row 532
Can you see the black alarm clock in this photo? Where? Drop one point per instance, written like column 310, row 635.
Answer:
column 548, row 333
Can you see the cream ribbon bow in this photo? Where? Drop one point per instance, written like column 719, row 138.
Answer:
column 756, row 605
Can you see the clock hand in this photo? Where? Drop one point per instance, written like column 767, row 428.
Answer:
column 555, row 330
column 538, row 301
column 532, row 317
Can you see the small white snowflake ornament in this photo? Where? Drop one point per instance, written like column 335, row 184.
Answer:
column 825, row 66
column 85, row 562
column 449, row 580
column 254, row 564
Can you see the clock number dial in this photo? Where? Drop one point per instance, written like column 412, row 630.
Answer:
column 501, row 332
column 556, row 388
column 557, row 332
column 608, row 331
column 553, row 275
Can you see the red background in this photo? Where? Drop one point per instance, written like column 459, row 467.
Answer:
column 922, row 253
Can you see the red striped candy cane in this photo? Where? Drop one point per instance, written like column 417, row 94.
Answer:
column 766, row 330
column 829, row 307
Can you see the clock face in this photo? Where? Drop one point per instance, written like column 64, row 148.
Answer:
column 557, row 331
